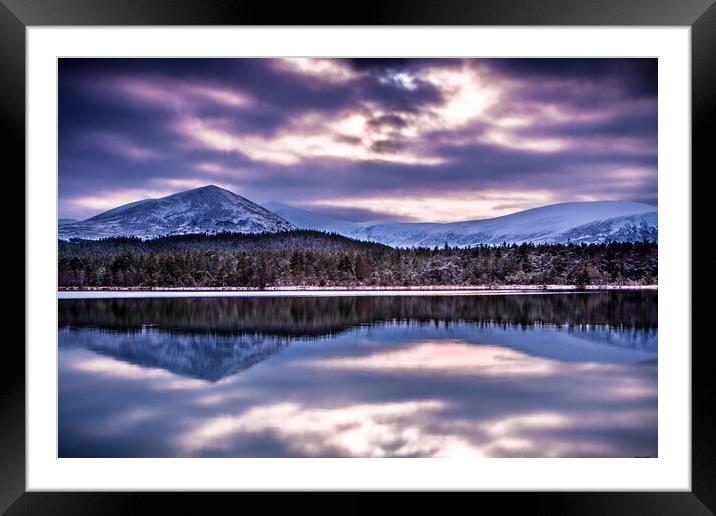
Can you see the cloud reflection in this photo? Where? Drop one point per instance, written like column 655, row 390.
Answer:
column 366, row 430
column 159, row 378
column 447, row 355
column 388, row 388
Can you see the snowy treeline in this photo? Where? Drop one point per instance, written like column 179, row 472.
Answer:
column 310, row 258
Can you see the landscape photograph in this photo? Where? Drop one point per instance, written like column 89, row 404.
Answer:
column 367, row 257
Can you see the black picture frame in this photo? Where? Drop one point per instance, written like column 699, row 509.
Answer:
column 700, row 15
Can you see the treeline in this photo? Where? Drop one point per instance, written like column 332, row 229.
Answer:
column 309, row 258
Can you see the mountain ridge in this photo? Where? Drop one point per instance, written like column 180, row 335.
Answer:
column 211, row 209
column 589, row 222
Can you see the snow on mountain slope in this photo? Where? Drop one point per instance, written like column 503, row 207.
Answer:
column 208, row 209
column 596, row 221
column 630, row 228
column 310, row 220
column 62, row 222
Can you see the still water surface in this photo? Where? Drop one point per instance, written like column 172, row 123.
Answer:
column 553, row 375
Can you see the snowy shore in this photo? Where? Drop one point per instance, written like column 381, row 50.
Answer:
column 106, row 292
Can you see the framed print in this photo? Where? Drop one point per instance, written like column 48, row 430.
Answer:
column 413, row 250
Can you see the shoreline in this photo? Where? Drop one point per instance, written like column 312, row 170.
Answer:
column 105, row 292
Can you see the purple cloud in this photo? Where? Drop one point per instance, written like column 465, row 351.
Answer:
column 362, row 137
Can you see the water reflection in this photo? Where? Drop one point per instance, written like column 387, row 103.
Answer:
column 534, row 375
column 207, row 356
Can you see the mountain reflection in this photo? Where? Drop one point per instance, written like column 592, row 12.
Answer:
column 212, row 338
column 207, row 356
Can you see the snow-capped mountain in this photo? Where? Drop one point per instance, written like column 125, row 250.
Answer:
column 208, row 209
column 597, row 221
column 211, row 209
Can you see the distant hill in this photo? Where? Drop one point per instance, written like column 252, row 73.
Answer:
column 577, row 222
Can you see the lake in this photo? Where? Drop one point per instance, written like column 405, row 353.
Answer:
column 538, row 375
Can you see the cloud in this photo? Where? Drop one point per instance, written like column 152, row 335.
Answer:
column 123, row 146
column 324, row 70
column 390, row 120
column 441, row 208
column 318, row 130
column 312, row 136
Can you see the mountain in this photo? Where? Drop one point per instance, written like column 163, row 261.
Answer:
column 208, row 209
column 62, row 222
column 589, row 222
column 212, row 210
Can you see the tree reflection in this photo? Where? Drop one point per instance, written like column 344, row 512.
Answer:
column 305, row 316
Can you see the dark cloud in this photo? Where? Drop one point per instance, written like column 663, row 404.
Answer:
column 387, row 146
column 391, row 120
column 636, row 76
column 621, row 125
column 380, row 65
column 342, row 138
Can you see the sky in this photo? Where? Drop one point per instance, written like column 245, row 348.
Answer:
column 359, row 139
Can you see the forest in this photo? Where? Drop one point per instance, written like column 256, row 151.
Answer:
column 312, row 258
